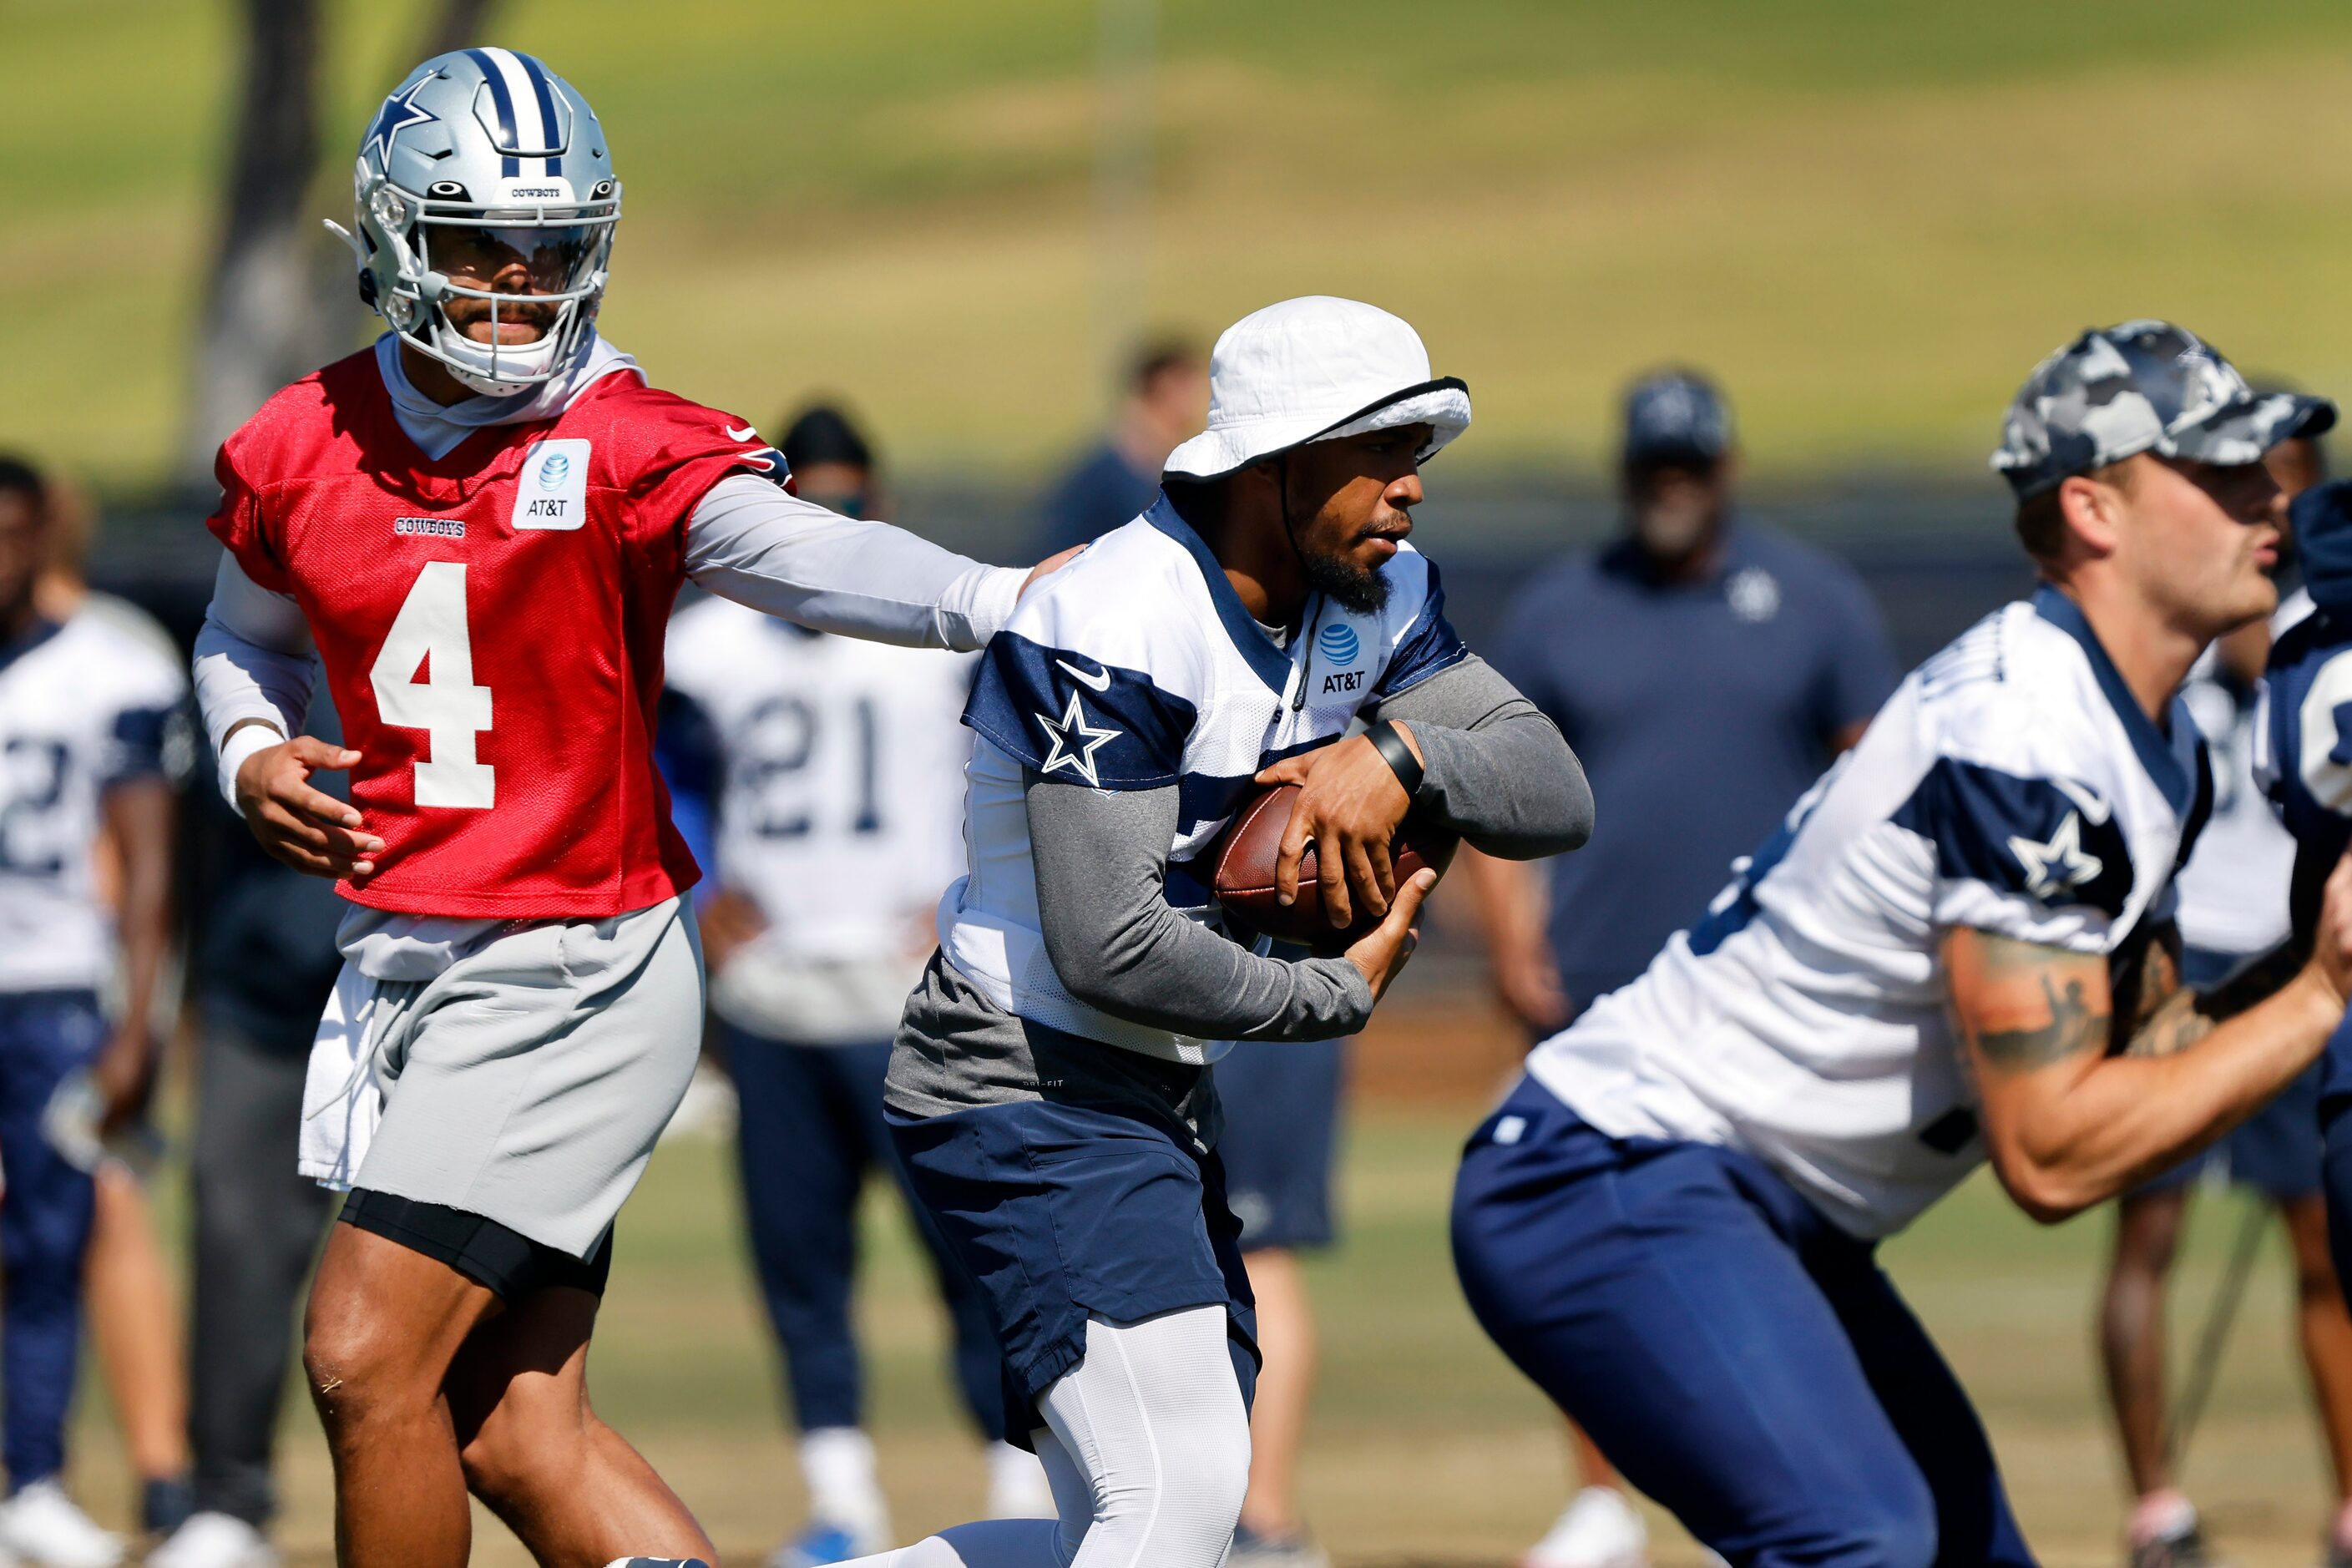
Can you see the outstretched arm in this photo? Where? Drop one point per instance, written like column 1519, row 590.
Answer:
column 2077, row 1109
column 751, row 541
column 1101, row 858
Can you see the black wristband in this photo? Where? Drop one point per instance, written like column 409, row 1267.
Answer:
column 1397, row 752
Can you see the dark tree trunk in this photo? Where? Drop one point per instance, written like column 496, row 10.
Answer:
column 281, row 298
column 262, row 323
column 459, row 26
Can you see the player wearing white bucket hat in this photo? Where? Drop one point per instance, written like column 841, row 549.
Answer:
column 1050, row 1090
column 1316, row 368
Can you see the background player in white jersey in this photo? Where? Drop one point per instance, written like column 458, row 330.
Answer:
column 833, row 773
column 87, row 711
column 2233, row 917
column 1050, row 1088
column 1958, row 948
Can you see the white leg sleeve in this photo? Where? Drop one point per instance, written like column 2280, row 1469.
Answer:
column 1148, row 1454
column 1154, row 1418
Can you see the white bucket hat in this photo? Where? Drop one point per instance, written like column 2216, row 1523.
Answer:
column 1316, row 369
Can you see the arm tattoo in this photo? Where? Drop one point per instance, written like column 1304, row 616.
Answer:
column 2163, row 1015
column 2176, row 1025
column 2074, row 1026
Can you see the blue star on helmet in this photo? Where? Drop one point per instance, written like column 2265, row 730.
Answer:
column 2053, row 868
column 1090, row 738
column 400, row 111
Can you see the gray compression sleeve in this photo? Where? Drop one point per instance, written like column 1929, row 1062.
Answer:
column 756, row 544
column 1101, row 858
column 1493, row 768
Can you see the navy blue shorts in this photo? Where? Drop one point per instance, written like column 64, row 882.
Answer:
column 1281, row 1134
column 1737, row 1356
column 1061, row 1213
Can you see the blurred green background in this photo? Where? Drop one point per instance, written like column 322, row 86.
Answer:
column 1870, row 219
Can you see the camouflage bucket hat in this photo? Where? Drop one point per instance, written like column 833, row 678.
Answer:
column 2144, row 386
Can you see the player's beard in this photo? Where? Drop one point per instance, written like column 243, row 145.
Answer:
column 1357, row 589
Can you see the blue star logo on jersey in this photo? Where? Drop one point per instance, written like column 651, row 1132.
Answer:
column 2053, row 868
column 1079, row 758
column 399, row 112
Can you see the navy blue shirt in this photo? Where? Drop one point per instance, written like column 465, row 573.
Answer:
column 1099, row 493
column 1701, row 710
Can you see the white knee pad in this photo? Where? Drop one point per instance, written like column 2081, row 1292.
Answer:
column 1153, row 1419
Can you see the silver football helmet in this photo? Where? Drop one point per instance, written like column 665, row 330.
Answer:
column 485, row 162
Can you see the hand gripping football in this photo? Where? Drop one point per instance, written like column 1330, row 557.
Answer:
column 1244, row 858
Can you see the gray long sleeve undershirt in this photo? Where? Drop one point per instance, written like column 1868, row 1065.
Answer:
column 1495, row 771
column 1101, row 858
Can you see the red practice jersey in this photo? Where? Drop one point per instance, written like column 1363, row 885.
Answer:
column 491, row 625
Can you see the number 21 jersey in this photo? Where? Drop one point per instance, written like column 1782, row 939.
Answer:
column 491, row 625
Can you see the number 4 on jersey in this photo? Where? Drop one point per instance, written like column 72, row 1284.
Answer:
column 431, row 633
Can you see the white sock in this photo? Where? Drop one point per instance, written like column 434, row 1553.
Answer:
column 838, row 1466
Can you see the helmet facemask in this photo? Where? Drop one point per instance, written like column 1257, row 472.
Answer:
column 559, row 251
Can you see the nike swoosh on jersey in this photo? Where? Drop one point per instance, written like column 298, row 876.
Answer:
column 1098, row 682
column 749, row 433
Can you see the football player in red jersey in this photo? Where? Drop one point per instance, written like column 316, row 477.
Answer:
column 479, row 525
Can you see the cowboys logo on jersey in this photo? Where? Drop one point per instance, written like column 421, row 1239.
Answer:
column 2011, row 784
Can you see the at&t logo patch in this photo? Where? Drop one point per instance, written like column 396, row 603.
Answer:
column 552, row 492
column 1339, row 645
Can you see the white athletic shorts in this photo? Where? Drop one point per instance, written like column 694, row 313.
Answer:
column 526, row 1082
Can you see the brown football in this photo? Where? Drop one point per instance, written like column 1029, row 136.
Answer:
column 1245, row 857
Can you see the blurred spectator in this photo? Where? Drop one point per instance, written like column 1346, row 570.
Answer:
column 127, row 1283
column 1166, row 402
column 1705, row 667
column 824, row 777
column 2233, row 915
column 88, row 711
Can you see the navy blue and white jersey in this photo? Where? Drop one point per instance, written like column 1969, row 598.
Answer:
column 2305, row 762
column 85, row 705
column 2011, row 784
column 1137, row 667
column 2233, row 890
column 835, row 770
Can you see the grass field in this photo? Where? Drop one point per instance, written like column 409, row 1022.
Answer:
column 1427, row 1449
column 1871, row 218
